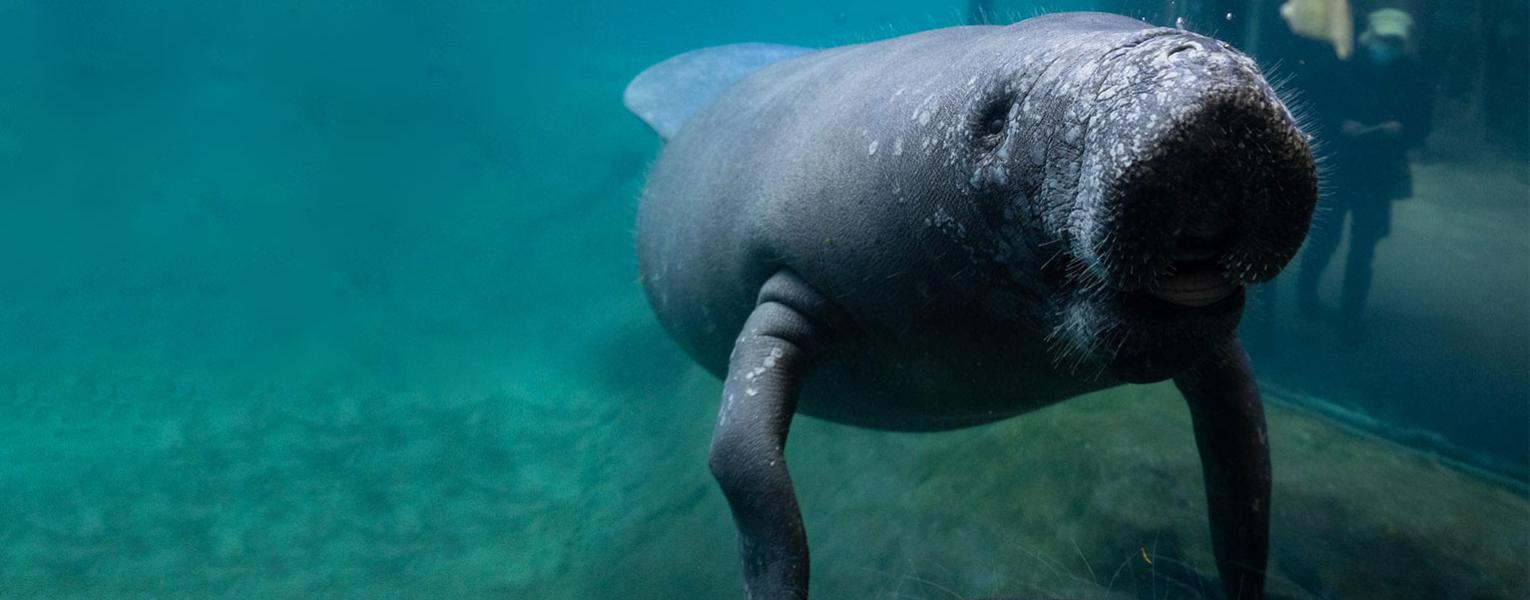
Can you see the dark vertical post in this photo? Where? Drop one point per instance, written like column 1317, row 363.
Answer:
column 1253, row 14
column 1503, row 92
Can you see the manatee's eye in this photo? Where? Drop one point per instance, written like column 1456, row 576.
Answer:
column 990, row 122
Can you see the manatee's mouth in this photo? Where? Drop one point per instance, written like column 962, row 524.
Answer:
column 1195, row 188
column 1194, row 275
column 1193, row 283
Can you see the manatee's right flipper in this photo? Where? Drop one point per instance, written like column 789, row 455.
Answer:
column 748, row 459
column 1228, row 416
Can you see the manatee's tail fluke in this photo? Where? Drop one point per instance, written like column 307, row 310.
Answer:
column 666, row 95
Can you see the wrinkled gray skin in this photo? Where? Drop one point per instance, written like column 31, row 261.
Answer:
column 962, row 225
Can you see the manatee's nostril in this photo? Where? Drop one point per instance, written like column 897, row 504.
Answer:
column 1183, row 47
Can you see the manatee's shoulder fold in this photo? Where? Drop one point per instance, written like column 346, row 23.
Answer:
column 669, row 93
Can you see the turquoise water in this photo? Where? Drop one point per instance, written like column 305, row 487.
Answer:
column 339, row 300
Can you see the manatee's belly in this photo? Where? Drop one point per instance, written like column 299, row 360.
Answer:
column 934, row 389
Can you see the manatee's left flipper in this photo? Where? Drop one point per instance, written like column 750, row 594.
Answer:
column 1235, row 459
column 748, row 444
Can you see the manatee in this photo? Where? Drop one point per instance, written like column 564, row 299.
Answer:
column 958, row 226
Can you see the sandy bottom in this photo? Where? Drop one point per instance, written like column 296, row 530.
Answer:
column 581, row 478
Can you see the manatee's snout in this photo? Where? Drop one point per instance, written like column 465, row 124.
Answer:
column 1196, row 178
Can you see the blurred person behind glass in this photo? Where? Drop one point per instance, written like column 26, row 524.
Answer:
column 1369, row 111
